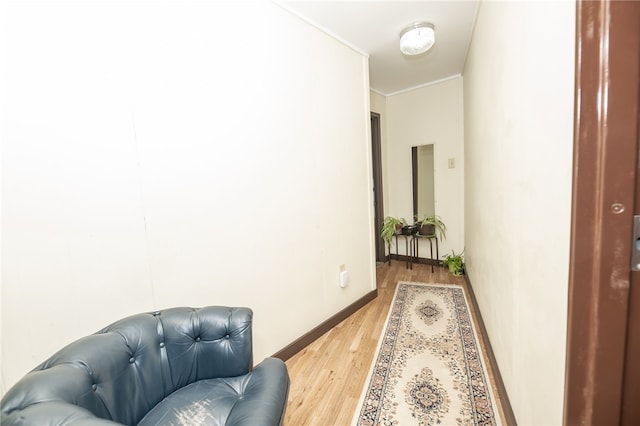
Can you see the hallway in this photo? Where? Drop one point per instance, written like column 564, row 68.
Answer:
column 327, row 376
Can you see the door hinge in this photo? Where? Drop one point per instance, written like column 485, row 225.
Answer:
column 635, row 249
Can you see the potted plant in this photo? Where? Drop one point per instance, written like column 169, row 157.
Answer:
column 430, row 224
column 390, row 227
column 455, row 263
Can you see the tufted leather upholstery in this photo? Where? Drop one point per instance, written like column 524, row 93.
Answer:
column 161, row 365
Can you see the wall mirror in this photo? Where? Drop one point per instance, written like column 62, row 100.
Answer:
column 422, row 161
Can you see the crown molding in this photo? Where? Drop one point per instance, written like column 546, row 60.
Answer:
column 321, row 28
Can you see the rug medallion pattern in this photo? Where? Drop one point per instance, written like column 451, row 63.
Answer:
column 428, row 369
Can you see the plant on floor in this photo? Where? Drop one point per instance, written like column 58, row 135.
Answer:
column 390, row 227
column 430, row 224
column 455, row 263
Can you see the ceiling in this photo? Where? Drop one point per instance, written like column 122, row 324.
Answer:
column 374, row 27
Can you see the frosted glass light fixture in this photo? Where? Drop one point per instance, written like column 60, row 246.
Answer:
column 417, row 38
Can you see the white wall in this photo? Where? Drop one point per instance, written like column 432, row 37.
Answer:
column 150, row 161
column 428, row 115
column 519, row 79
column 378, row 104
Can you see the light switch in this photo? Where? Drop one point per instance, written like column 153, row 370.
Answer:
column 344, row 279
column 452, row 163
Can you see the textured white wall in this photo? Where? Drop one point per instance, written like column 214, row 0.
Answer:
column 429, row 115
column 518, row 82
column 150, row 161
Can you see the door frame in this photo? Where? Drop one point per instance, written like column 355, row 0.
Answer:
column 604, row 177
column 378, row 206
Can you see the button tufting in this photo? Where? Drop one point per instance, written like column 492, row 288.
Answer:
column 197, row 339
column 162, row 344
column 227, row 336
column 94, row 386
column 132, row 360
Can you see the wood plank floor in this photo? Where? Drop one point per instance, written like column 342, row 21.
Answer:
column 328, row 375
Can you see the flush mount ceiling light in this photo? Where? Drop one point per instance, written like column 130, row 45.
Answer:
column 417, row 38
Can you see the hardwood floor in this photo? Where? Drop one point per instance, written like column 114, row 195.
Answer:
column 328, row 375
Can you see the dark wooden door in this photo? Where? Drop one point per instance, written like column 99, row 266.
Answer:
column 631, row 384
column 603, row 324
column 631, row 381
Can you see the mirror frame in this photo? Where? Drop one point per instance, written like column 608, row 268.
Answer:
column 414, row 180
column 415, row 177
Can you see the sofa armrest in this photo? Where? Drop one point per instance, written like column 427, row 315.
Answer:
column 257, row 398
column 265, row 398
column 58, row 413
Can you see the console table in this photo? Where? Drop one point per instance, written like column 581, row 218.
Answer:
column 415, row 245
column 408, row 249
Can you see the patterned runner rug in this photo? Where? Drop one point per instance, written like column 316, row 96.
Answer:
column 428, row 368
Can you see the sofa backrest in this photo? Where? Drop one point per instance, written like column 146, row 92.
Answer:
column 125, row 369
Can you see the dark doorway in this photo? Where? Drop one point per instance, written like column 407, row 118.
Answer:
column 376, row 150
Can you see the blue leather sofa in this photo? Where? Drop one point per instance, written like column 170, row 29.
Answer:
column 179, row 366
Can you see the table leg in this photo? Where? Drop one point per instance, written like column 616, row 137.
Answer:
column 431, row 253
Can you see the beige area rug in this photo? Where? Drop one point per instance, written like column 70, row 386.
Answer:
column 428, row 368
